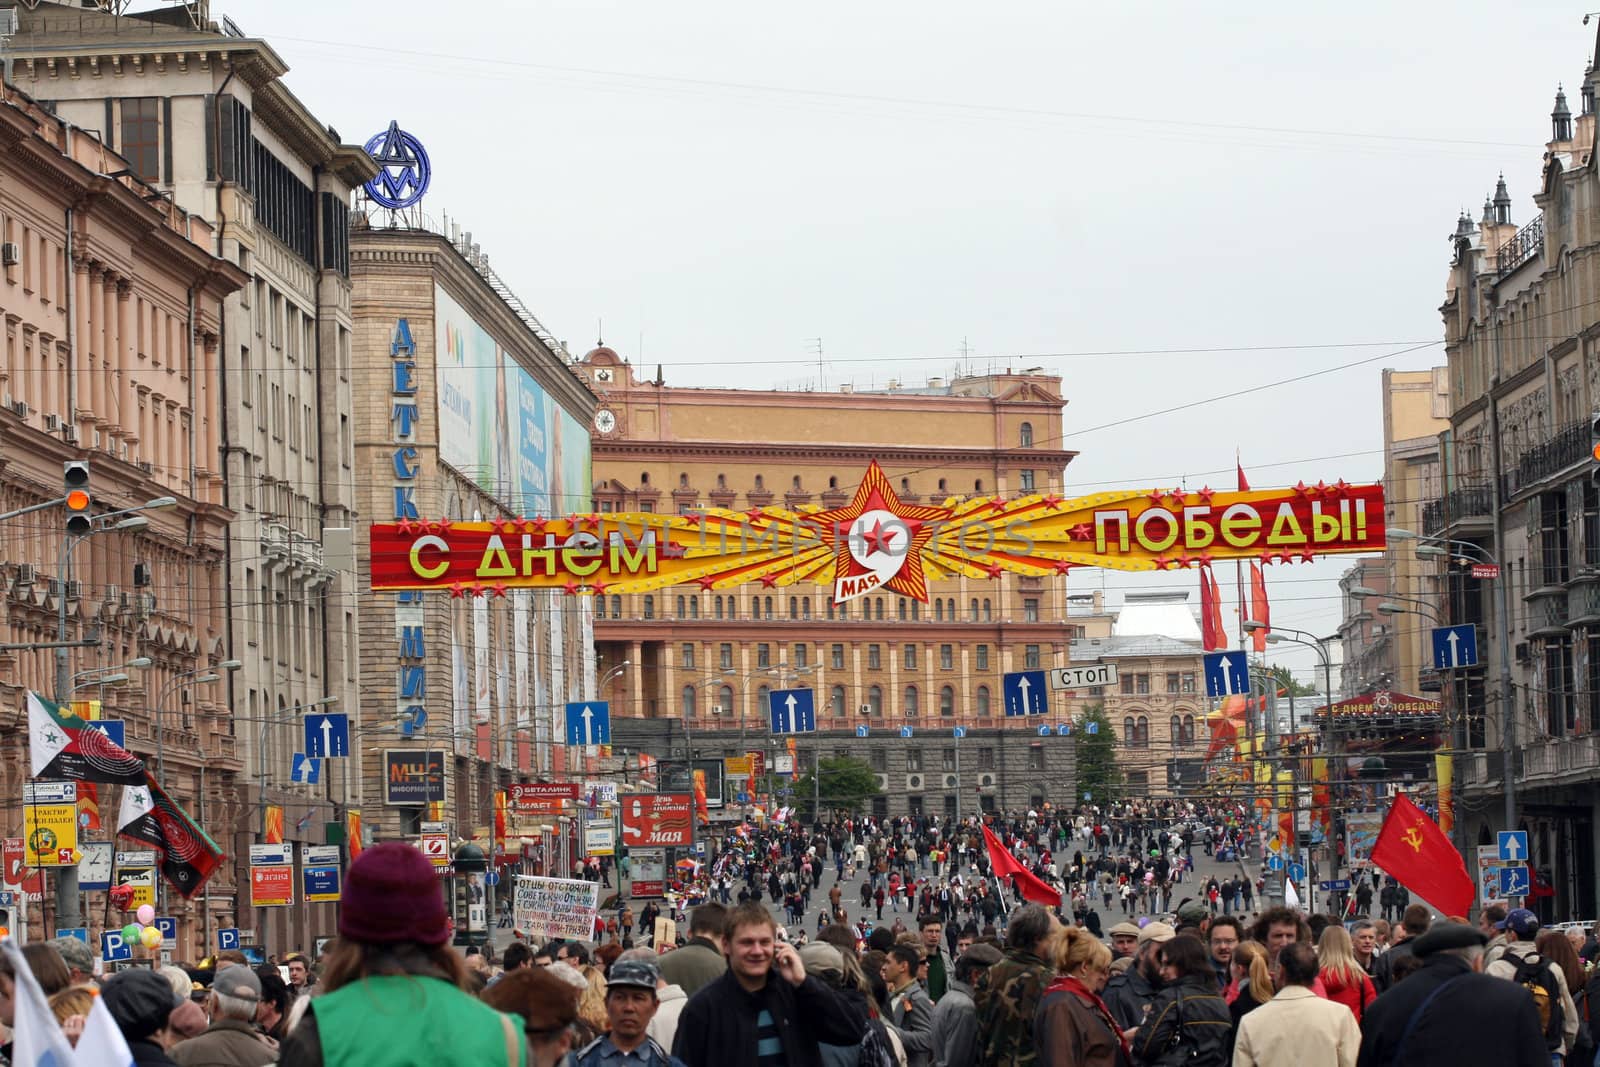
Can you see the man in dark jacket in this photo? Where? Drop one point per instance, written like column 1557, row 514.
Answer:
column 699, row 962
column 231, row 1039
column 764, row 1009
column 1128, row 993
column 1414, row 924
column 1446, row 1014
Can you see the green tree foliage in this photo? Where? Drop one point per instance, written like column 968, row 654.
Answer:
column 846, row 784
column 1286, row 681
column 1098, row 774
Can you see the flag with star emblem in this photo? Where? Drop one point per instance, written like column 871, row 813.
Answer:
column 188, row 855
column 63, row 746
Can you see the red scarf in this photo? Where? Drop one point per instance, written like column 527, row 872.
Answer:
column 1067, row 983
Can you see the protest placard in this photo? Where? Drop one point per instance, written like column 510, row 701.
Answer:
column 556, row 907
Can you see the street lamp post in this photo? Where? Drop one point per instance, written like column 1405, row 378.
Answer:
column 1433, row 546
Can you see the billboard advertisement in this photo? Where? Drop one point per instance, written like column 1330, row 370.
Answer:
column 499, row 427
column 676, row 776
column 656, row 820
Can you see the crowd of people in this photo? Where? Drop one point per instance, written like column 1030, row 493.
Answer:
column 967, row 973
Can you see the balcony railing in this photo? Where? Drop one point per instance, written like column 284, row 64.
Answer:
column 1468, row 502
column 1523, row 246
column 1568, row 446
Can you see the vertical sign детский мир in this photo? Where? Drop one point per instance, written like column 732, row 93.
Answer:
column 412, row 687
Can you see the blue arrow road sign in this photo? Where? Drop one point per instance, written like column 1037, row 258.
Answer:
column 1044, row 729
column 1274, row 863
column 589, row 723
column 1026, row 693
column 1513, row 881
column 305, row 770
column 227, row 939
column 1064, row 729
column 1092, row 728
column 959, row 732
column 793, row 711
column 491, row 878
column 1513, row 845
column 1333, row 885
column 1227, row 674
column 1455, row 646
column 863, row 731
column 328, row 735
column 905, row 731
column 1297, row 872
column 116, row 730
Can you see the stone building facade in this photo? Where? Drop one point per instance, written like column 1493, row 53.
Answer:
column 466, row 409
column 201, row 113
column 701, row 663
column 112, row 305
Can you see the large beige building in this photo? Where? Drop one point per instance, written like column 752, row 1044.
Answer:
column 112, row 307
column 702, row 662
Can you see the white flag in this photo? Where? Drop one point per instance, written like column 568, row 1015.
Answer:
column 101, row 1044
column 1291, row 899
column 36, row 1036
column 136, row 803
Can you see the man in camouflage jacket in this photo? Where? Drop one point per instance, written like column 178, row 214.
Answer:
column 1010, row 992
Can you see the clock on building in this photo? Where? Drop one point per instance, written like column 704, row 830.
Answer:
column 602, row 374
column 605, row 420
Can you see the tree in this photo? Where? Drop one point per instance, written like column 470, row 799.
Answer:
column 1286, row 681
column 1099, row 779
column 846, row 782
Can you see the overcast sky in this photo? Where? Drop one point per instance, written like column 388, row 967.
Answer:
column 1081, row 188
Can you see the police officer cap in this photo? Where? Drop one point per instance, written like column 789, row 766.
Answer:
column 1444, row 936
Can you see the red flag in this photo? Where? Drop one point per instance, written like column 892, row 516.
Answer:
column 1216, row 610
column 1211, row 635
column 1244, row 486
column 1413, row 849
column 1007, row 866
column 1260, row 610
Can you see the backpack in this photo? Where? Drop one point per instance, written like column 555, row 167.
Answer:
column 1535, row 976
column 877, row 1047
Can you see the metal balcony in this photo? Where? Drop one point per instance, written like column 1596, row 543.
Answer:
column 1457, row 506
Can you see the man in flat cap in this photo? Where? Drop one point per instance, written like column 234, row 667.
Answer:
column 1124, row 939
column 1449, row 1014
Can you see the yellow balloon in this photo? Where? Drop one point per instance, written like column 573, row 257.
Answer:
column 150, row 937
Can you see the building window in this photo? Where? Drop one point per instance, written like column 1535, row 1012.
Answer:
column 947, row 701
column 1030, row 609
column 900, row 609
column 836, row 700
column 1172, row 682
column 1141, row 684
column 616, row 607
column 910, row 657
column 1030, row 657
column 874, row 657
column 768, row 608
column 799, row 656
column 982, row 657
column 805, row 607
column 877, row 612
column 880, row 759
column 1142, row 736
column 914, row 759
column 982, row 701
column 1036, row 757
column 985, row 759
column 141, row 136
column 725, row 700
column 649, row 606
column 909, row 707
column 725, row 656
column 1188, row 681
column 1128, row 731
column 794, row 607
column 972, row 610
column 947, row 657
column 938, row 611
column 1025, row 481
column 686, row 656
column 988, row 610
column 763, row 655
column 1025, row 435
column 875, row 701
column 1188, row 729
column 716, row 607
column 694, row 607
column 688, row 701
column 1176, row 730
column 947, row 759
column 836, row 657
column 1125, row 685
column 763, row 701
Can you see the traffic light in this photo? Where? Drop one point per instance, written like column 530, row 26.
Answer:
column 75, row 488
column 1594, row 449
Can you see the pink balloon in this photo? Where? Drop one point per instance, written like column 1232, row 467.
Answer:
column 146, row 914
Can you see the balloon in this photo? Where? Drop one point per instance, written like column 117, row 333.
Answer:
column 130, row 934
column 146, row 914
column 4, row 933
column 150, row 938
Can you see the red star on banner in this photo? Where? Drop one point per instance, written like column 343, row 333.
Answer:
column 1156, row 496
column 1341, row 487
column 538, row 524
column 1184, row 559
column 707, row 581
column 769, row 580
column 406, row 526
column 1301, row 488
column 573, row 522
column 457, row 590
column 499, row 524
column 1052, row 502
column 993, row 570
column 1176, row 496
column 672, row 550
column 571, row 588
column 1082, row 532
column 876, row 494
column 444, row 526
column 598, row 587
column 1206, row 493
column 500, row 589
column 592, row 522
column 1285, row 557
column 998, row 504
column 1205, row 559
column 1321, row 487
column 1162, row 562
column 877, row 539
column 1266, row 557
column 1061, row 566
column 478, row 590
column 1306, row 555
column 754, row 513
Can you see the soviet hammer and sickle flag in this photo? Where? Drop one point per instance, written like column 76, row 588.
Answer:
column 188, row 855
column 1413, row 849
column 63, row 746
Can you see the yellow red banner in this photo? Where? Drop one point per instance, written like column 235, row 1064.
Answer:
column 878, row 542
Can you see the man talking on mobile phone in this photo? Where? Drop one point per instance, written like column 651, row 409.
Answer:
column 764, row 1011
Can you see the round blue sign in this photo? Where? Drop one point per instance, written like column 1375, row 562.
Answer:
column 491, row 878
column 404, row 170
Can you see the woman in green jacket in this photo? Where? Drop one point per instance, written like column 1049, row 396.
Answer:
column 393, row 992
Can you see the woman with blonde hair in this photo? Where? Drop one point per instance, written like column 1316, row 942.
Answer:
column 1252, row 983
column 592, row 1001
column 1072, row 1025
column 1342, row 974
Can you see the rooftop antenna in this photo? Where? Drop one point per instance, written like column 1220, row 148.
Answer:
column 600, row 333
column 966, row 355
column 816, row 345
